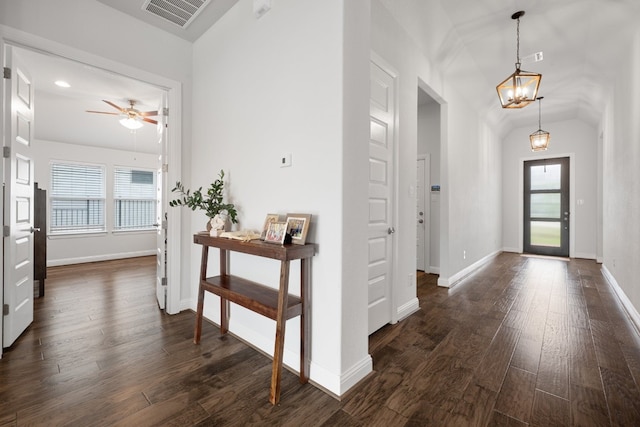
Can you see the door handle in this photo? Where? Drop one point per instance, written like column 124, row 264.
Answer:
column 31, row 230
column 391, row 230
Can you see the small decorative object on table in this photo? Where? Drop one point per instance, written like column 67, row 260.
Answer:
column 219, row 213
column 276, row 233
column 268, row 220
column 298, row 227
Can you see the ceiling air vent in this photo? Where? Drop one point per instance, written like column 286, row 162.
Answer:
column 178, row 12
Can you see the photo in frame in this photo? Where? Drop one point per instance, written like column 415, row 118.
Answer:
column 276, row 233
column 268, row 220
column 298, row 227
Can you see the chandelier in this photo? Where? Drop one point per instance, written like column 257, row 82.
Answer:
column 520, row 88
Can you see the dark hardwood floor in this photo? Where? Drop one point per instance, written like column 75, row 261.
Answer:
column 524, row 341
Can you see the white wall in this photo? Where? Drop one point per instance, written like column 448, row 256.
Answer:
column 568, row 138
column 621, row 178
column 62, row 250
column 273, row 86
column 470, row 156
column 429, row 138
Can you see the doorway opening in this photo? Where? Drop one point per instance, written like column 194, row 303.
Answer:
column 162, row 95
column 428, row 182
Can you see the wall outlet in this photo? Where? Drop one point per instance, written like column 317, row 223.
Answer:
column 411, row 281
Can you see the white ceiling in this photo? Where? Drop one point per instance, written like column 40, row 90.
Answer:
column 61, row 112
column 582, row 42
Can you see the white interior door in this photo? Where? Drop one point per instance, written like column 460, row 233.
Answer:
column 18, row 201
column 421, row 263
column 381, row 201
column 161, row 217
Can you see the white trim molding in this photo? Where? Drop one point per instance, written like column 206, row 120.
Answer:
column 626, row 302
column 449, row 282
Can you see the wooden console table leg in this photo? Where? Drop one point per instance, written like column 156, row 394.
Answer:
column 224, row 304
column 203, row 275
column 304, row 320
column 276, row 370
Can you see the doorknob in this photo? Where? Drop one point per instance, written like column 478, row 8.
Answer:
column 420, row 221
column 391, row 230
column 31, row 230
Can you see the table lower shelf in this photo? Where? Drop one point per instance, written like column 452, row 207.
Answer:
column 251, row 295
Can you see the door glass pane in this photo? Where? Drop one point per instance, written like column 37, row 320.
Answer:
column 546, row 205
column 545, row 233
column 545, row 177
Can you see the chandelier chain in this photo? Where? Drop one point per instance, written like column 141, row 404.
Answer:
column 518, row 42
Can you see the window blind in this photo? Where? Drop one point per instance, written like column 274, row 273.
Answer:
column 77, row 198
column 134, row 194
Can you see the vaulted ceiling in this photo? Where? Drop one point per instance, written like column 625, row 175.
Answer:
column 582, row 42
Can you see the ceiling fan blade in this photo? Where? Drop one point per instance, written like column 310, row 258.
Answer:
column 122, row 110
column 155, row 122
column 103, row 112
column 148, row 113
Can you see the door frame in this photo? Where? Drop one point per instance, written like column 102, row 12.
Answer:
column 173, row 88
column 572, row 198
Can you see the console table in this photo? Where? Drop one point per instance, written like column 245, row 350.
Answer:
column 276, row 304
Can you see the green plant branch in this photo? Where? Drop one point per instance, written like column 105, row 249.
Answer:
column 211, row 204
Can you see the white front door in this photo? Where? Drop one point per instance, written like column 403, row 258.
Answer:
column 161, row 217
column 18, row 200
column 381, row 201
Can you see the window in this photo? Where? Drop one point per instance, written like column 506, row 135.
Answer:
column 134, row 195
column 77, row 198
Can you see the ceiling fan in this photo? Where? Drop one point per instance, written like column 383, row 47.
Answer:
column 131, row 118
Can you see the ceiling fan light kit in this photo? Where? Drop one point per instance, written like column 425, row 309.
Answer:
column 520, row 88
column 131, row 123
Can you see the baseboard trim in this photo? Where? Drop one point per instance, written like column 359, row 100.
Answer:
column 408, row 309
column 448, row 282
column 97, row 258
column 626, row 302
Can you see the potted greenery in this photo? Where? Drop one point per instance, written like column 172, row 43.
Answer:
column 211, row 203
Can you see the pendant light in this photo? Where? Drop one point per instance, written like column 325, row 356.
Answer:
column 520, row 88
column 540, row 138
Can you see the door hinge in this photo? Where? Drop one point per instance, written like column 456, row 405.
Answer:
column 165, row 167
column 6, row 71
column 6, row 231
column 165, row 111
column 164, row 282
column 6, row 152
column 5, row 310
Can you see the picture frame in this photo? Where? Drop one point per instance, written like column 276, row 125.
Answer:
column 276, row 232
column 298, row 227
column 268, row 220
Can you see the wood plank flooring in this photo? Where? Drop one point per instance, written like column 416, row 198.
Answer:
column 524, row 341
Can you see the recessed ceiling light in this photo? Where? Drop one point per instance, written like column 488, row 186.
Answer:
column 62, row 83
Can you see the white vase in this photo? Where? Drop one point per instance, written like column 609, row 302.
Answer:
column 218, row 224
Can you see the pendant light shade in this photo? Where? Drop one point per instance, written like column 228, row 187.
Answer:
column 540, row 138
column 520, row 88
